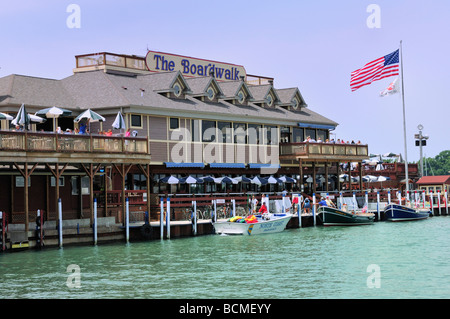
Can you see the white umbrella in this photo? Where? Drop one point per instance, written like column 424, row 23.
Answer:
column 119, row 122
column 23, row 118
column 287, row 179
column 54, row 113
column 4, row 116
column 170, row 180
column 89, row 115
column 191, row 180
column 371, row 178
column 259, row 181
column 273, row 180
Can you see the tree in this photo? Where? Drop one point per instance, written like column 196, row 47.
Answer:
column 439, row 165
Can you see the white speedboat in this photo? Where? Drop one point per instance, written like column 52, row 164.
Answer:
column 259, row 224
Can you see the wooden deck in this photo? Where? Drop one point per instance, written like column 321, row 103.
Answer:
column 37, row 147
column 323, row 152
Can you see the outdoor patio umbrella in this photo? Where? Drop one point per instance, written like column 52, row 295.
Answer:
column 286, row 179
column 170, row 180
column 259, row 180
column 228, row 180
column 191, row 180
column 243, row 179
column 273, row 180
column 119, row 122
column 89, row 115
column 54, row 113
column 23, row 118
column 208, row 179
column 4, row 116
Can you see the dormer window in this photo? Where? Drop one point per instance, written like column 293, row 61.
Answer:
column 295, row 104
column 177, row 89
column 269, row 100
column 241, row 97
column 210, row 93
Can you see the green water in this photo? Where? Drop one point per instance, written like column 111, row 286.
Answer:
column 413, row 260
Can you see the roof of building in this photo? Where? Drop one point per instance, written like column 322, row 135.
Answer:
column 148, row 94
column 434, row 180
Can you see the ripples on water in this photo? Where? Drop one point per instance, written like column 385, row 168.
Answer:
column 315, row 262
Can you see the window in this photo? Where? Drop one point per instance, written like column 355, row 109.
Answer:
column 311, row 132
column 270, row 135
column 136, row 120
column 241, row 97
column 208, row 131
column 254, row 134
column 298, row 135
column 177, row 89
column 240, row 133
column 322, row 134
column 174, row 123
column 195, row 130
column 269, row 100
column 53, row 181
column 225, row 129
column 211, row 93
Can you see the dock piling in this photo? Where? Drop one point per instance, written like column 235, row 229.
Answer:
column 378, row 205
column 127, row 220
column 60, row 232
column 168, row 218
column 314, row 208
column 161, row 219
column 194, row 208
column 95, row 221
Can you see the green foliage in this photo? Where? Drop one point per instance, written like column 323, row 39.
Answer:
column 440, row 165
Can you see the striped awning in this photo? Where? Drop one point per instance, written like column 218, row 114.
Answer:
column 227, row 165
column 173, row 165
column 257, row 165
column 320, row 126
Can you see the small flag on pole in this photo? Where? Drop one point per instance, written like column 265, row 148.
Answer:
column 375, row 70
column 391, row 89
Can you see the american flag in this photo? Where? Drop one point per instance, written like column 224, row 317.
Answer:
column 375, row 70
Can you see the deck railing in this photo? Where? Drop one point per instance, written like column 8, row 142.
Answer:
column 321, row 149
column 51, row 142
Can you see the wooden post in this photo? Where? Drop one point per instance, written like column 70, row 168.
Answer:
column 57, row 173
column 338, row 168
column 26, row 173
column 314, row 177
column 326, row 177
column 123, row 173
column 360, row 176
column 90, row 171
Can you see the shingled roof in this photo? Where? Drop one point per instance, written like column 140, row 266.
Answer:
column 102, row 90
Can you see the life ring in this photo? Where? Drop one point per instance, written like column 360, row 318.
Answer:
column 146, row 231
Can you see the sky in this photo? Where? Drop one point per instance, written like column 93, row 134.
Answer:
column 312, row 45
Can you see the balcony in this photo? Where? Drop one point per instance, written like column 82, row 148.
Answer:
column 323, row 152
column 49, row 147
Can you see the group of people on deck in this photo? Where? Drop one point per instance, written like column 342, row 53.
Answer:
column 83, row 130
column 332, row 141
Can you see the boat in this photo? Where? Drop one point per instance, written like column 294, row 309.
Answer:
column 253, row 225
column 396, row 213
column 331, row 216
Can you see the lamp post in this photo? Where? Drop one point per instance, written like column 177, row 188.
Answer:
column 421, row 140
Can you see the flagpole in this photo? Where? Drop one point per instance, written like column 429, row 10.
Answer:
column 404, row 119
